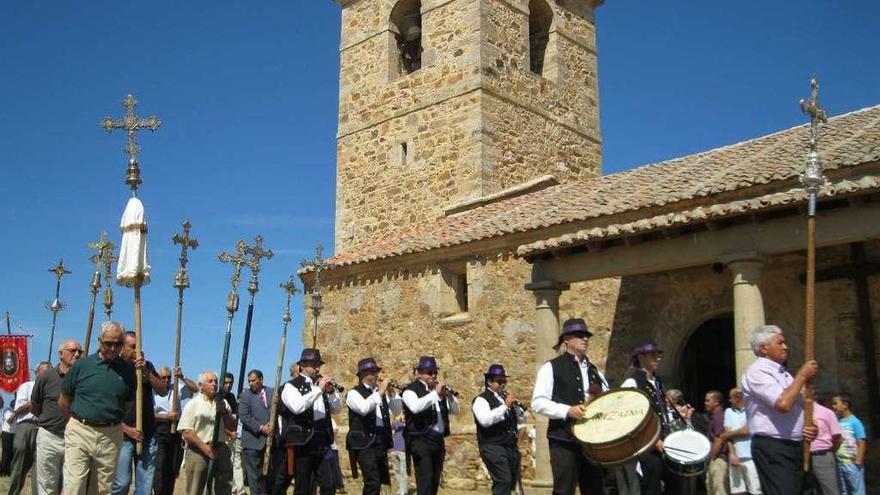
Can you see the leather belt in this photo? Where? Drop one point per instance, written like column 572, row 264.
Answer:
column 94, row 424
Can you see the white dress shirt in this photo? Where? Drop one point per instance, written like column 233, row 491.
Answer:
column 22, row 397
column 487, row 416
column 542, row 397
column 418, row 404
column 297, row 403
column 363, row 406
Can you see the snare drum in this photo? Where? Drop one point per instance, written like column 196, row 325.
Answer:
column 617, row 426
column 687, row 452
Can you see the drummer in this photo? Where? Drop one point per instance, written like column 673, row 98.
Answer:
column 642, row 374
column 563, row 385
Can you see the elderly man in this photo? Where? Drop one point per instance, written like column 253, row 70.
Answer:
column 563, row 385
column 145, row 463
column 96, row 393
column 51, row 422
column 169, row 445
column 197, row 428
column 776, row 413
column 25, row 443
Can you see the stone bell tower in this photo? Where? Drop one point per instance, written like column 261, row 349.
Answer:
column 445, row 101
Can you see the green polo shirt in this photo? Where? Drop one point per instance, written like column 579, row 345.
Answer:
column 98, row 389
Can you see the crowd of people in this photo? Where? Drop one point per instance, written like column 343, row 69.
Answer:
column 76, row 428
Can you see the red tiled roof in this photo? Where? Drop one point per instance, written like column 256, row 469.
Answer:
column 845, row 141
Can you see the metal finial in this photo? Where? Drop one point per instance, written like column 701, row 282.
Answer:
column 181, row 278
column 316, row 303
column 131, row 123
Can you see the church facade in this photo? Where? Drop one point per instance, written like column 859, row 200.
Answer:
column 472, row 217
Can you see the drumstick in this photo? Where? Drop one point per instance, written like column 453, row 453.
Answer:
column 667, row 447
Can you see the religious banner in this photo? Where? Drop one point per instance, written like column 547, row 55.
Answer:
column 13, row 352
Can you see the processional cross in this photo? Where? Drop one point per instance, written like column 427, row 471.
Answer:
column 316, row 304
column 256, row 253
column 103, row 248
column 181, row 279
column 131, row 123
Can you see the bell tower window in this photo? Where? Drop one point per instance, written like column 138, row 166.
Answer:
column 540, row 18
column 406, row 24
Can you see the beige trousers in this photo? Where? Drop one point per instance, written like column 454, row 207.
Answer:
column 717, row 478
column 197, row 471
column 50, row 459
column 90, row 456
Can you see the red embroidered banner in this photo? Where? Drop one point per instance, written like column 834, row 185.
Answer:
column 14, row 368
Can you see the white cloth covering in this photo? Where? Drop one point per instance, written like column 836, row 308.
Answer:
column 133, row 251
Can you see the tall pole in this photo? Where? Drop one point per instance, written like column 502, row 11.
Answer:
column 316, row 303
column 56, row 305
column 101, row 247
column 133, row 270
column 289, row 288
column 181, row 282
column 812, row 179
column 256, row 252
column 8, row 324
column 238, row 259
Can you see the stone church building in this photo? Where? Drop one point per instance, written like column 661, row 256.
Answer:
column 472, row 217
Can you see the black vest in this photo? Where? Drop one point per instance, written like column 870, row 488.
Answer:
column 656, row 394
column 300, row 428
column 501, row 433
column 362, row 429
column 421, row 423
column 569, row 389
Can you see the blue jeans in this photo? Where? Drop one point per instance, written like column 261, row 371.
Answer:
column 852, row 479
column 145, row 467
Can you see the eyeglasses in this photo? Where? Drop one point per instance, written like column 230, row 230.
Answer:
column 74, row 351
column 110, row 343
column 165, row 377
column 430, row 372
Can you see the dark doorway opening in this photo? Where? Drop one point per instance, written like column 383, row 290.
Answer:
column 707, row 361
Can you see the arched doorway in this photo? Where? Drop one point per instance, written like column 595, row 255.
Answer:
column 707, row 361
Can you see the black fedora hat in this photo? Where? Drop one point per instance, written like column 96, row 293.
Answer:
column 310, row 355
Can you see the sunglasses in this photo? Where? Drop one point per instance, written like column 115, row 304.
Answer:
column 111, row 343
column 74, row 351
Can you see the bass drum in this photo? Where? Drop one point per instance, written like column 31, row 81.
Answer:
column 687, row 452
column 618, row 426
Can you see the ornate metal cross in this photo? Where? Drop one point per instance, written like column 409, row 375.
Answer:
column 813, row 178
column 238, row 259
column 181, row 279
column 131, row 123
column 289, row 289
column 257, row 253
column 101, row 247
column 109, row 259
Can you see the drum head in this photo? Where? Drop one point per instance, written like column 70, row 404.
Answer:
column 687, row 447
column 611, row 416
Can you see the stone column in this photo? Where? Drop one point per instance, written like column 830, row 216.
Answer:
column 748, row 307
column 546, row 333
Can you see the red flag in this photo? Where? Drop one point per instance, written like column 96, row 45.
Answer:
column 14, row 368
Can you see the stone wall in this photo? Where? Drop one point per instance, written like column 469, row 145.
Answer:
column 474, row 119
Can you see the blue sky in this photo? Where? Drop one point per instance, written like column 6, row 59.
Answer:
column 246, row 92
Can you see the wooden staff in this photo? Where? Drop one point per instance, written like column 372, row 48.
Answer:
column 181, row 282
column 812, row 179
column 290, row 288
column 139, row 400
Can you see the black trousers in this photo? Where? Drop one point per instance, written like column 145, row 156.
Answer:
column 572, row 469
column 312, row 469
column 373, row 465
column 503, row 462
column 428, row 453
column 780, row 465
column 6, row 460
column 253, row 470
column 658, row 479
column 169, row 455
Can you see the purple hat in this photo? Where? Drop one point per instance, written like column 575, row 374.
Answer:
column 426, row 363
column 644, row 347
column 573, row 326
column 495, row 371
column 368, row 364
column 310, row 356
